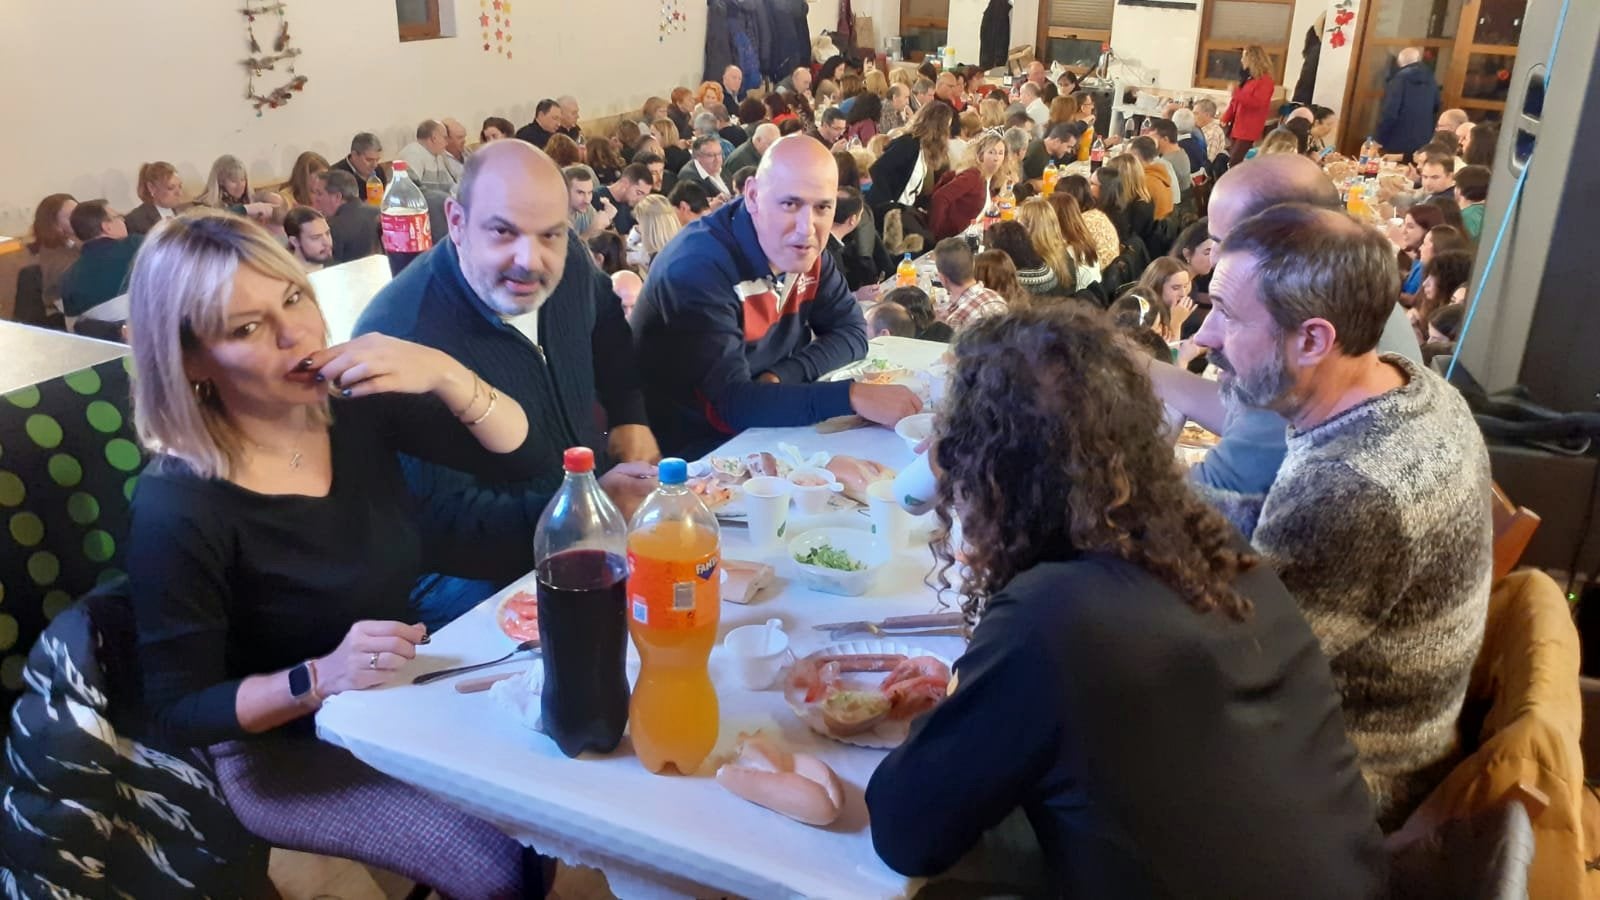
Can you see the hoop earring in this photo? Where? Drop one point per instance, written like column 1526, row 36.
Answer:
column 204, row 391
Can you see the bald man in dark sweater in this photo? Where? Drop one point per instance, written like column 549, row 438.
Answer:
column 515, row 296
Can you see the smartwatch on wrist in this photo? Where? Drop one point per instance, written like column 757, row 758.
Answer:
column 303, row 682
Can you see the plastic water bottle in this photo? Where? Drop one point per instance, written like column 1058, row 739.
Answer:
column 406, row 232
column 580, row 553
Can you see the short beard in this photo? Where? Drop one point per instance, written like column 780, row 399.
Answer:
column 1268, row 386
column 494, row 295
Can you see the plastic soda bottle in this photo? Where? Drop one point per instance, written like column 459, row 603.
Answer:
column 1007, row 203
column 1097, row 153
column 579, row 550
column 905, row 274
column 1048, row 186
column 674, row 603
column 374, row 190
column 406, row 234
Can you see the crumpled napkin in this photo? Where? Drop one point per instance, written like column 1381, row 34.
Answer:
column 519, row 695
column 790, row 454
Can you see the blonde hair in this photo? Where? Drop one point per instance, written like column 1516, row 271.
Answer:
column 1130, row 180
column 666, row 131
column 1063, row 109
column 226, row 167
column 178, row 294
column 1044, row 230
column 878, row 144
column 1279, row 140
column 992, row 112
column 1256, row 61
column 901, row 75
column 876, row 82
column 864, row 158
column 305, row 165
column 970, row 124
column 1008, row 167
column 658, row 222
column 153, row 173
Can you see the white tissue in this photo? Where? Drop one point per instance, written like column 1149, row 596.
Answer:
column 520, row 694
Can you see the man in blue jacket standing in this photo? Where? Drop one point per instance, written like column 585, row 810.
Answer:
column 742, row 312
column 1410, row 106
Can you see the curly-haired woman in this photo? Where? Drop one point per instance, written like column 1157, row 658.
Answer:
column 1137, row 684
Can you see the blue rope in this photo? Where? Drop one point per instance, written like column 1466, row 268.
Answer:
column 1511, row 206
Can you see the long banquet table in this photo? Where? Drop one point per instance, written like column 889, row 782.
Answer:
column 660, row 835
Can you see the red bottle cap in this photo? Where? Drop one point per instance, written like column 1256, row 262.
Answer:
column 578, row 460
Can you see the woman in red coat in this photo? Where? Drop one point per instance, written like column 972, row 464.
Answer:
column 1251, row 103
column 961, row 196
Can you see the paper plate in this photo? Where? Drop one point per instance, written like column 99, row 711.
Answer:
column 889, row 733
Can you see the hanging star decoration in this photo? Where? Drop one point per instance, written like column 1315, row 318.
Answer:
column 259, row 63
column 673, row 19
column 495, row 20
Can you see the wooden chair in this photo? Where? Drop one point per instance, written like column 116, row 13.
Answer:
column 1513, row 528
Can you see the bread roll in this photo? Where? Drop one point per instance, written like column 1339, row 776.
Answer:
column 797, row 785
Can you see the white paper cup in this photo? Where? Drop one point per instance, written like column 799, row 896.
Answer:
column 889, row 521
column 757, row 653
column 915, row 488
column 812, row 499
column 766, row 505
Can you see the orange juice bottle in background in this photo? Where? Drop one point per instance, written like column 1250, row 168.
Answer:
column 1357, row 204
column 674, row 604
column 375, row 190
column 1007, row 203
column 905, row 274
column 1049, row 180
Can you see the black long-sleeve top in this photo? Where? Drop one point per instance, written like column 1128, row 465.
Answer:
column 229, row 583
column 1155, row 751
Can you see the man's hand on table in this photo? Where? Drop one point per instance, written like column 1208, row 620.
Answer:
column 633, row 443
column 868, row 293
column 627, row 484
column 767, row 378
column 885, row 404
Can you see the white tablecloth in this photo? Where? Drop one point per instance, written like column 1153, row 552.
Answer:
column 658, row 835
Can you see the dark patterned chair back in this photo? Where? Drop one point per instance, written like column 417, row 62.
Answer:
column 68, row 461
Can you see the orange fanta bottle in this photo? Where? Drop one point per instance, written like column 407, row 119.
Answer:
column 674, row 603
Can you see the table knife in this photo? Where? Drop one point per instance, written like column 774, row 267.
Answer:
column 897, row 623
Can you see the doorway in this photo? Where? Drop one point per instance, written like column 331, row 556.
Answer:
column 1469, row 44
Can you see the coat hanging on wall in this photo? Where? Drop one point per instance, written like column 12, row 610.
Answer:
column 994, row 34
column 845, row 37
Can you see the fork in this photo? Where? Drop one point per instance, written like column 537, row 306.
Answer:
column 430, row 677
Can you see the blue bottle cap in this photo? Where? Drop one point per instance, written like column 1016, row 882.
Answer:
column 672, row 471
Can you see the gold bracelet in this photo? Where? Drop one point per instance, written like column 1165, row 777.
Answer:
column 473, row 401
column 493, row 396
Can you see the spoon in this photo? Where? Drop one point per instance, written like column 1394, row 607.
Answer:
column 430, row 677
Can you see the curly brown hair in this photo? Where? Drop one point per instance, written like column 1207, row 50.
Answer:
column 1050, row 445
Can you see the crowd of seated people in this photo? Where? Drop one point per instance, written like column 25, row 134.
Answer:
column 648, row 267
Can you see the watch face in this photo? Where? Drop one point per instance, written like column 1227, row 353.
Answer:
column 300, row 681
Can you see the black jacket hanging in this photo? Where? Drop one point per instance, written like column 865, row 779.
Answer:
column 994, row 34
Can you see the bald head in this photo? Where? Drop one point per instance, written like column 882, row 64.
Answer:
column 1452, row 120
column 499, row 163
column 791, row 201
column 455, row 138
column 1409, row 56
column 509, row 226
column 627, row 285
column 1256, row 184
column 569, row 110
column 764, row 135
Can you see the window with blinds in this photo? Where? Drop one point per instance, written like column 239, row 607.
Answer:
column 1093, row 15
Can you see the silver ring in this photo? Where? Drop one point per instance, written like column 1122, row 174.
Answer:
column 372, row 661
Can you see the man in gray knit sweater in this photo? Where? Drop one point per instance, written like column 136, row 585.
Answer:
column 1378, row 521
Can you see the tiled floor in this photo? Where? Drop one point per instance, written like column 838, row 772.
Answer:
column 303, row 876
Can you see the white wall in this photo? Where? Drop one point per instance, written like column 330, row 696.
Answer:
column 1165, row 41
column 160, row 79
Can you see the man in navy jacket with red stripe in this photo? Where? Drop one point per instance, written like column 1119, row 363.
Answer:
column 742, row 312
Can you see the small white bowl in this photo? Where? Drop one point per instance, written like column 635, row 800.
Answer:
column 915, row 429
column 863, row 547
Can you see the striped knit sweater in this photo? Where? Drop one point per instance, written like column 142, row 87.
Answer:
column 1379, row 524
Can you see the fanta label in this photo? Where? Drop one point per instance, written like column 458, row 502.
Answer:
column 673, row 594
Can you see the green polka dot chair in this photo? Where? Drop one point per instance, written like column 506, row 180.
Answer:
column 68, row 463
